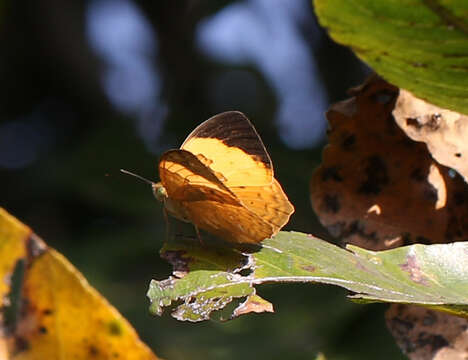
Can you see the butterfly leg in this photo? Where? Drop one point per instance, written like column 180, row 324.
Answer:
column 168, row 227
column 198, row 235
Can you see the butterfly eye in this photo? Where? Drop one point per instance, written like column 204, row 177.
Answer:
column 159, row 191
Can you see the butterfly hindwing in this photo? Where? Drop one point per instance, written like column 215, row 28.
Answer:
column 268, row 202
column 230, row 222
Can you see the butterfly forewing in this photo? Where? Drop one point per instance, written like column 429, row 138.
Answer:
column 179, row 169
column 230, row 145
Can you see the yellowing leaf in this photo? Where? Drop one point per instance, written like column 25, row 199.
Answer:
column 13, row 236
column 61, row 316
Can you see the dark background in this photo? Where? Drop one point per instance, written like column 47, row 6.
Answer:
column 89, row 87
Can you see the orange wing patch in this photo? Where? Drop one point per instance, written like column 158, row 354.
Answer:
column 230, row 145
column 180, row 168
column 232, row 223
column 268, row 202
column 222, row 181
column 233, row 164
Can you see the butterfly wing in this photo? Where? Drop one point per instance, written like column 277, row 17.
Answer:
column 222, row 180
column 263, row 212
column 196, row 193
column 229, row 144
column 268, row 202
column 230, row 222
column 180, row 169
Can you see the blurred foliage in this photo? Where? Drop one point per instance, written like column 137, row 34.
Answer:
column 109, row 226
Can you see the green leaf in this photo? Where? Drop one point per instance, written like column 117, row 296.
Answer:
column 207, row 278
column 419, row 45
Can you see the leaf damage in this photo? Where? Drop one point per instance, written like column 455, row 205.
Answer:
column 415, row 274
column 253, row 303
column 413, row 269
column 213, row 284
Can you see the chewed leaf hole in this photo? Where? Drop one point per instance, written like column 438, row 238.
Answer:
column 219, row 280
column 246, row 272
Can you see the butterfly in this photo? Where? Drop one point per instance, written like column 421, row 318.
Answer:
column 221, row 180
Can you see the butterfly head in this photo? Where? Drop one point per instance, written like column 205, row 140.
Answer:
column 159, row 191
column 172, row 206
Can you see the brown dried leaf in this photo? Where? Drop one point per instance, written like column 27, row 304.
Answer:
column 444, row 131
column 423, row 334
column 378, row 189
column 253, row 303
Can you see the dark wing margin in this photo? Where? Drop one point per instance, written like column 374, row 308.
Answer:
column 234, row 130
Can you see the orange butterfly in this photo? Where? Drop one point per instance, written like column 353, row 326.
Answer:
column 221, row 180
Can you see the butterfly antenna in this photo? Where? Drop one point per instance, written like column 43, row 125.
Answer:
column 137, row 176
